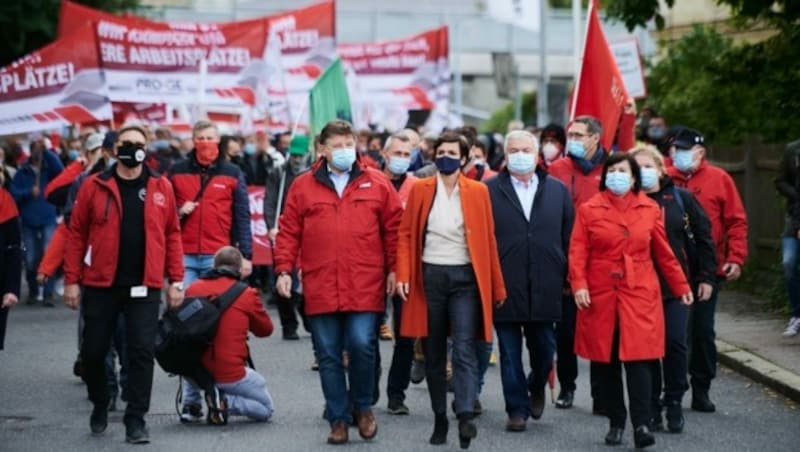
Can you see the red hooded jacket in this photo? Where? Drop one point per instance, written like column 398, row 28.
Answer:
column 348, row 244
column 717, row 193
column 93, row 244
column 227, row 355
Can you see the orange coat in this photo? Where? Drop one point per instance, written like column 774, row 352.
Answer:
column 614, row 244
column 479, row 227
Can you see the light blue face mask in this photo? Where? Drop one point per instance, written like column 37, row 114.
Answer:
column 343, row 159
column 249, row 149
column 399, row 165
column 521, row 162
column 73, row 154
column 576, row 148
column 649, row 178
column 683, row 159
column 618, row 182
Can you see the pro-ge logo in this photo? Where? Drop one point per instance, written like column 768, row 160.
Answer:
column 159, row 199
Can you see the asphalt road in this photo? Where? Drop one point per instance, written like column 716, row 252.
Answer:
column 43, row 407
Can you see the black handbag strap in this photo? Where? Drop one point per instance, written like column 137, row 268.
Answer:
column 227, row 298
column 205, row 178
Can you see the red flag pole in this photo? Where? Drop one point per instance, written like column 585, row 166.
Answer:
column 583, row 58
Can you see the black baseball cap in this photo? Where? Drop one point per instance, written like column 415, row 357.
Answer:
column 687, row 138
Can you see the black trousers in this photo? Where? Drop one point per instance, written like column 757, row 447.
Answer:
column 454, row 306
column 101, row 308
column 612, row 395
column 675, row 363
column 400, row 370
column 288, row 310
column 567, row 361
column 702, row 348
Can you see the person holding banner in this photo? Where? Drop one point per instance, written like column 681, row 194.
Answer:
column 278, row 182
column 342, row 217
column 580, row 172
column 214, row 209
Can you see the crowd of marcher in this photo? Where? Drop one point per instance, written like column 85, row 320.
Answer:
column 446, row 243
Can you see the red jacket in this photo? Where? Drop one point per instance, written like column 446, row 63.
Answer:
column 717, row 193
column 223, row 214
column 226, row 357
column 348, row 244
column 614, row 244
column 581, row 186
column 56, row 190
column 93, row 243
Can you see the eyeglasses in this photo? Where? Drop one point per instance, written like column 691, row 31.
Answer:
column 578, row 136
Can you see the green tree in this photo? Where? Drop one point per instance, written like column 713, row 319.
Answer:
column 783, row 14
column 26, row 25
column 730, row 91
column 502, row 116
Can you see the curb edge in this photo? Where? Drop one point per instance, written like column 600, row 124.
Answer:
column 759, row 369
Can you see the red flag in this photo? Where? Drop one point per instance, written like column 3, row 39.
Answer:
column 600, row 91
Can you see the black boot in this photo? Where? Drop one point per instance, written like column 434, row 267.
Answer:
column 674, row 417
column 614, row 436
column 642, row 437
column 440, row 428
column 701, row 402
column 466, row 430
column 98, row 422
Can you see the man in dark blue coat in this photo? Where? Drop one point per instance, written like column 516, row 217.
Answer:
column 533, row 217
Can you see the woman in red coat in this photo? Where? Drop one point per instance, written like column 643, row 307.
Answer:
column 617, row 240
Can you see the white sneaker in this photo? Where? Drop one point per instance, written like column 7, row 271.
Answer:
column 793, row 328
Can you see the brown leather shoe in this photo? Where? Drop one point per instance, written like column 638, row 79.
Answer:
column 367, row 425
column 338, row 433
column 516, row 424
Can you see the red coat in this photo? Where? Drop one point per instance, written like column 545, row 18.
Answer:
column 717, row 193
column 348, row 244
column 405, row 189
column 580, row 185
column 481, row 243
column 93, row 243
column 612, row 251
column 226, row 357
column 56, row 190
column 54, row 254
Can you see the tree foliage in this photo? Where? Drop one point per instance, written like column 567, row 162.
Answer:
column 26, row 25
column 502, row 116
column 730, row 91
column 783, row 14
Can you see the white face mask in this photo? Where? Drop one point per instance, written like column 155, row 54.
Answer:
column 550, row 151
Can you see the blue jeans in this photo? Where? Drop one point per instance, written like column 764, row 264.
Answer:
column 540, row 339
column 195, row 266
column 483, row 351
column 248, row 397
column 35, row 240
column 790, row 248
column 453, row 306
column 330, row 333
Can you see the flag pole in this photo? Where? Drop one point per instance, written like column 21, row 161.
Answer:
column 575, row 91
column 542, row 111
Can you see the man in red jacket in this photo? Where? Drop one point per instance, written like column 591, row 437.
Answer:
column 717, row 193
column 342, row 217
column 580, row 171
column 244, row 389
column 122, row 266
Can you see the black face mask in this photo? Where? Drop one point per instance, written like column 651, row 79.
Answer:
column 131, row 154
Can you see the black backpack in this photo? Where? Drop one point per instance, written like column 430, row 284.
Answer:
column 185, row 333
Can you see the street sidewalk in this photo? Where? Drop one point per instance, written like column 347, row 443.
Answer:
column 749, row 341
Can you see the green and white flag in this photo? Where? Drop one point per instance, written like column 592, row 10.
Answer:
column 329, row 98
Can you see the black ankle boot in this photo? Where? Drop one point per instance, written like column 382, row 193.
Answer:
column 674, row 417
column 614, row 436
column 642, row 437
column 466, row 431
column 440, row 428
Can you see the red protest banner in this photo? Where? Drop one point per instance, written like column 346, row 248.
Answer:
column 57, row 85
column 262, row 246
column 600, row 91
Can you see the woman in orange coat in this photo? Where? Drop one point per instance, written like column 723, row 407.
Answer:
column 448, row 271
column 617, row 240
